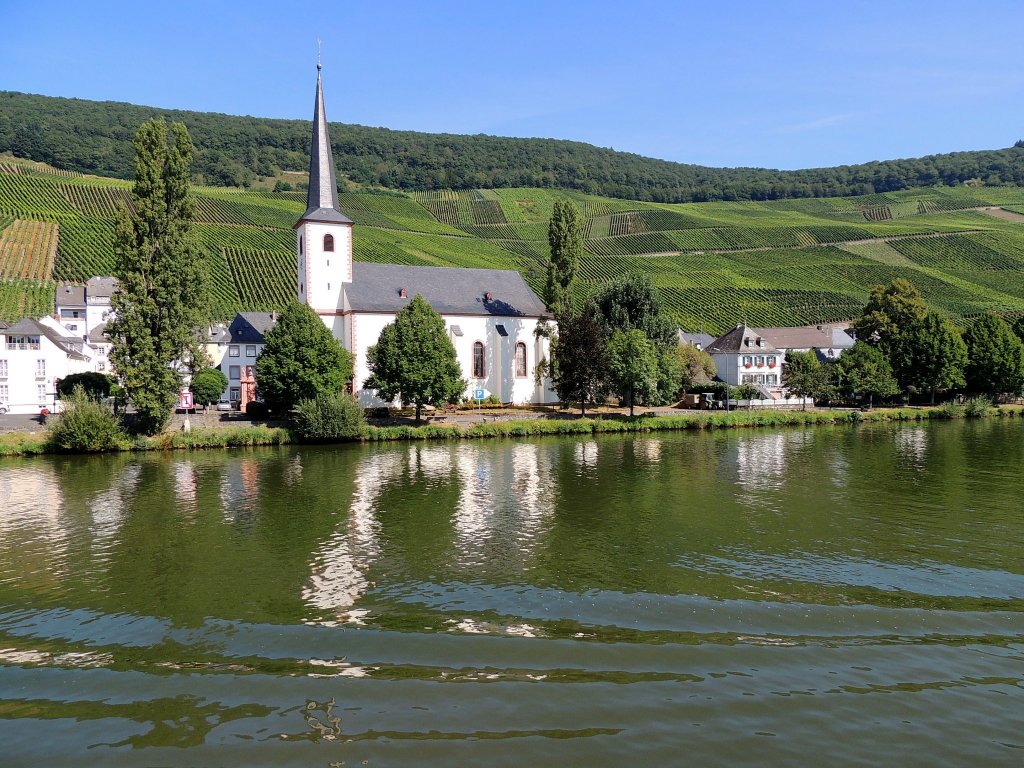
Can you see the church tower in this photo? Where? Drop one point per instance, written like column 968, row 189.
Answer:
column 323, row 235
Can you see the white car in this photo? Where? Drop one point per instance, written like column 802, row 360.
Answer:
column 223, row 405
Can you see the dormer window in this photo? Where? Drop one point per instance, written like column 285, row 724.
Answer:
column 329, row 243
column 760, row 342
column 403, row 294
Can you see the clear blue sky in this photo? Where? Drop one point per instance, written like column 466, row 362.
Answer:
column 777, row 84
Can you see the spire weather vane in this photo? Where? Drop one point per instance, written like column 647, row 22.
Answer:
column 318, row 54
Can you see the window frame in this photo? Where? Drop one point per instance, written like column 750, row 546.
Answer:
column 328, row 243
column 234, row 373
column 479, row 371
column 234, row 350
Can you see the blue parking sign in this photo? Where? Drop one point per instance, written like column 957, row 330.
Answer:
column 478, row 394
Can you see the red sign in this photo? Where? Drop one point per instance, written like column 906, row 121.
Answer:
column 186, row 402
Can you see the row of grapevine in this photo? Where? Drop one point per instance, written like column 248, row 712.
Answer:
column 265, row 280
column 105, row 201
column 28, row 250
column 30, row 196
column 25, row 298
column 86, row 249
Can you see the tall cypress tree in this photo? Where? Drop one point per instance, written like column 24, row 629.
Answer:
column 161, row 297
column 565, row 236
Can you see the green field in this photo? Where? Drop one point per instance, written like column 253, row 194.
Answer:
column 769, row 263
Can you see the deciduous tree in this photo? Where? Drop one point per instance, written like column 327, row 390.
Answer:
column 930, row 355
column 890, row 310
column 208, row 385
column 300, row 360
column 632, row 366
column 631, row 301
column 578, row 358
column 565, row 236
column 864, row 371
column 414, row 360
column 805, row 376
column 995, row 357
column 161, row 296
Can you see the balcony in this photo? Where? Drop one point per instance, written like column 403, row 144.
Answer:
column 23, row 345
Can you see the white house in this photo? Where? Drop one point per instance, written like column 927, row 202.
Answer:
column 234, row 348
column 745, row 356
column 490, row 314
column 35, row 354
column 83, row 311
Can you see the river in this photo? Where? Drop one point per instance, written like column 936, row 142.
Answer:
column 825, row 596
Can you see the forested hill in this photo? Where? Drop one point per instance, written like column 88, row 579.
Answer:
column 95, row 137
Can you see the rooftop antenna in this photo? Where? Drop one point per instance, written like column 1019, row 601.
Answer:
column 318, row 65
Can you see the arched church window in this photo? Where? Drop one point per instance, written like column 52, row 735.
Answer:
column 300, row 245
column 479, row 371
column 329, row 242
column 520, row 359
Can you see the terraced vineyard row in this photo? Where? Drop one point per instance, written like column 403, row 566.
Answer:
column 95, row 200
column 25, row 298
column 28, row 250
column 86, row 249
column 265, row 279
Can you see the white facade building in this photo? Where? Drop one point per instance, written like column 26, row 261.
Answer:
column 744, row 356
column 490, row 314
column 83, row 311
column 234, row 348
column 34, row 355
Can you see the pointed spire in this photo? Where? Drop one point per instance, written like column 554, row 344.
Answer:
column 322, row 198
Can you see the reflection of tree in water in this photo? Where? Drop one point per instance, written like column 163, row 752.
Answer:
column 321, row 721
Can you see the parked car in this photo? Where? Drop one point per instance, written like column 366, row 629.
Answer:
column 3, row 408
column 223, row 405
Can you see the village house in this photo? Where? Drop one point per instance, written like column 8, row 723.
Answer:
column 746, row 356
column 234, row 348
column 34, row 356
column 490, row 314
column 83, row 311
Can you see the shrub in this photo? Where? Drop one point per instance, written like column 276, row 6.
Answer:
column 977, row 407
column 257, row 409
column 329, row 417
column 952, row 410
column 85, row 426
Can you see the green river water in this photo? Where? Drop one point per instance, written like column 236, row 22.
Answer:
column 826, row 596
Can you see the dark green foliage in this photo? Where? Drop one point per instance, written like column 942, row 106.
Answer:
column 89, row 136
column 631, row 301
column 929, row 356
column 890, row 310
column 995, row 357
column 565, row 237
column 632, row 362
column 670, row 377
column 162, row 294
column 697, row 367
column 805, row 376
column 1018, row 328
column 300, row 360
column 414, row 360
column 578, row 358
column 208, row 385
column 257, row 409
column 95, row 385
column 84, row 426
column 864, row 371
column 329, row 417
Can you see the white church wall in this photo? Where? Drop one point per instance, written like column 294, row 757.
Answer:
column 322, row 274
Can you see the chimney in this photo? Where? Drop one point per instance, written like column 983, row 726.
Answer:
column 487, row 296
column 402, row 293
column 273, row 316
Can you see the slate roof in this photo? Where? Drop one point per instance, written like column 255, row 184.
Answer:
column 808, row 337
column 30, row 327
column 699, row 340
column 70, row 295
column 100, row 287
column 322, row 197
column 249, row 328
column 449, row 290
column 740, row 340
column 98, row 335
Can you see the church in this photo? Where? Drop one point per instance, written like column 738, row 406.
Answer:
column 490, row 314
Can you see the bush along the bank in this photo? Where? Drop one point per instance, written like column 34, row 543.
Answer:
column 329, row 417
column 85, row 426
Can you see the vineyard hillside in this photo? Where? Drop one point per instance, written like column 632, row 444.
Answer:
column 716, row 264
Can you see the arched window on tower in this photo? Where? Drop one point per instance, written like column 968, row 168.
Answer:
column 329, row 243
column 479, row 370
column 521, row 359
column 300, row 245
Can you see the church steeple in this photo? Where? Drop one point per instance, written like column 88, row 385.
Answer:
column 322, row 199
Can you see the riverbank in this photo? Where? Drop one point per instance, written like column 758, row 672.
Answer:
column 503, row 426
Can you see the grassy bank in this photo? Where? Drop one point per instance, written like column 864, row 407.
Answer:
column 25, row 444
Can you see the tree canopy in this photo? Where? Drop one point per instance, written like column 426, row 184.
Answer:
column 414, row 360
column 208, row 385
column 890, row 310
column 632, row 366
column 88, row 137
column 161, row 298
column 864, row 371
column 565, row 237
column 93, row 384
column 929, row 355
column 995, row 357
column 632, row 301
column 578, row 358
column 300, row 360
